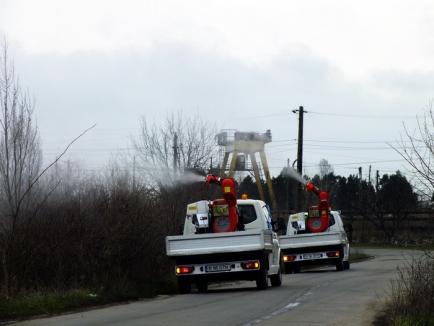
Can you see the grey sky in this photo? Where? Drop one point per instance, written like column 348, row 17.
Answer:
column 242, row 64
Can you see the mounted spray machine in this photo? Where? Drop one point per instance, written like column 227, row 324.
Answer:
column 318, row 216
column 224, row 215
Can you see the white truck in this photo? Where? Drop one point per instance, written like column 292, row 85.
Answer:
column 300, row 247
column 202, row 257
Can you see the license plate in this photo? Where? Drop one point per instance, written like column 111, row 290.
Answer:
column 218, row 268
column 311, row 256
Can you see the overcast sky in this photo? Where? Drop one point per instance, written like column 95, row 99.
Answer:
column 361, row 69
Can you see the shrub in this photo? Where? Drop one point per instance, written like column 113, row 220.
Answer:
column 412, row 293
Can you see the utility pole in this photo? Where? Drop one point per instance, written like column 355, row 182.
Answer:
column 369, row 178
column 377, row 176
column 134, row 172
column 300, row 112
column 175, row 152
column 287, row 186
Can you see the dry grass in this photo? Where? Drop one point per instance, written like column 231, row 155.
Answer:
column 411, row 300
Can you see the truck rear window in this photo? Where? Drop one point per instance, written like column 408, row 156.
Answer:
column 248, row 213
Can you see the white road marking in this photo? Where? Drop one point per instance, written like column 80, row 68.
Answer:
column 292, row 305
column 289, row 306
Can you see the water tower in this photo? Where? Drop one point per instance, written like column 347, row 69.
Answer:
column 239, row 148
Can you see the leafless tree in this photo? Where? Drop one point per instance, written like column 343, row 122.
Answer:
column 417, row 148
column 20, row 156
column 178, row 143
column 325, row 169
column 20, row 162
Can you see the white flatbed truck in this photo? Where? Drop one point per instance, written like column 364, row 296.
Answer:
column 300, row 248
column 252, row 254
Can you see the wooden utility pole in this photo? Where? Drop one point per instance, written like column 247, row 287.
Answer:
column 134, row 172
column 369, row 178
column 300, row 112
column 175, row 152
column 377, row 176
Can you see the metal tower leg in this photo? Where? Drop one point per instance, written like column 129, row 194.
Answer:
column 233, row 163
column 268, row 179
column 225, row 163
column 257, row 177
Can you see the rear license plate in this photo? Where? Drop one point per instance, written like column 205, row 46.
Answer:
column 311, row 256
column 218, row 268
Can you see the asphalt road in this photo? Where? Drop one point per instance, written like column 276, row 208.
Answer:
column 316, row 297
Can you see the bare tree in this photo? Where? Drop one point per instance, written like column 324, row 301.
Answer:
column 178, row 143
column 20, row 162
column 417, row 148
column 325, row 171
column 20, row 156
column 324, row 168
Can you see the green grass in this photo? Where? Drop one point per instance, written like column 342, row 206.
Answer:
column 385, row 318
column 356, row 255
column 55, row 302
column 412, row 321
column 428, row 246
column 47, row 303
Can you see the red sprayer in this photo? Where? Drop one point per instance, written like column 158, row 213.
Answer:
column 318, row 216
column 224, row 211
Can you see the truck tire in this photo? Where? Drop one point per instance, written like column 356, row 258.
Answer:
column 276, row 280
column 202, row 286
column 184, row 286
column 292, row 268
column 288, row 269
column 340, row 265
column 347, row 264
column 262, row 279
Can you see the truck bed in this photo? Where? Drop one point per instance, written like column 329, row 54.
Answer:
column 210, row 243
column 311, row 240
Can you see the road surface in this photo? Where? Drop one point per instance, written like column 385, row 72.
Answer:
column 316, row 297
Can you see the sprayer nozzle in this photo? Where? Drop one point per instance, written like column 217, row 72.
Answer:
column 210, row 178
column 310, row 186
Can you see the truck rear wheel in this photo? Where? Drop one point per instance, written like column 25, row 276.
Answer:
column 276, row 280
column 184, row 286
column 340, row 265
column 262, row 279
column 202, row 286
column 292, row 268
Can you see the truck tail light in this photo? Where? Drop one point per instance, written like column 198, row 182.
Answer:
column 288, row 258
column 333, row 254
column 254, row 264
column 180, row 270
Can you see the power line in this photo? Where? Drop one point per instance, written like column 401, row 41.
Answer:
column 344, row 115
column 345, row 141
column 364, row 116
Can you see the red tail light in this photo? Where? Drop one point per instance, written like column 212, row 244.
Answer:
column 180, row 270
column 251, row 264
column 288, row 258
column 333, row 254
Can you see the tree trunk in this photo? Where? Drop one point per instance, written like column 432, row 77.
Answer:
column 5, row 272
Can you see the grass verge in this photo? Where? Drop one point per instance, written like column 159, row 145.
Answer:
column 379, row 245
column 411, row 298
column 56, row 302
column 357, row 255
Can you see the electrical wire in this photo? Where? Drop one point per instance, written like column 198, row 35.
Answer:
column 363, row 116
